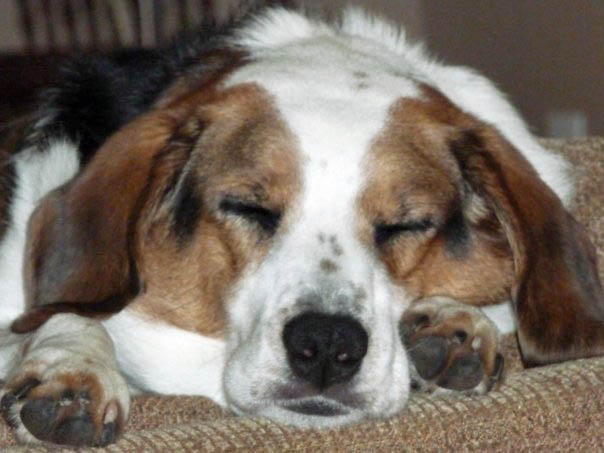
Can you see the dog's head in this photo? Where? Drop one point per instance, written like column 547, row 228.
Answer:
column 295, row 196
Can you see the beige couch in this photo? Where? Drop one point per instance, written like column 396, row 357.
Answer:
column 555, row 408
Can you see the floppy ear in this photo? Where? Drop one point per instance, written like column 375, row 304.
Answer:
column 557, row 295
column 81, row 253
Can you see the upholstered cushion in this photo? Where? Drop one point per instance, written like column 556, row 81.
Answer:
column 558, row 407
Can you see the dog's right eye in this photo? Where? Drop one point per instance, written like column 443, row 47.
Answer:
column 265, row 218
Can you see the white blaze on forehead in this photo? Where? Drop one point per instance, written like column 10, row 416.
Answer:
column 334, row 92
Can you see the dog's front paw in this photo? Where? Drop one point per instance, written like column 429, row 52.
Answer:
column 67, row 388
column 452, row 347
column 69, row 403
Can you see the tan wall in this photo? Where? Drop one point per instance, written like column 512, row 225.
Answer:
column 548, row 55
column 11, row 37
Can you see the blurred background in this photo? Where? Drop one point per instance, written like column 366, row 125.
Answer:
column 548, row 56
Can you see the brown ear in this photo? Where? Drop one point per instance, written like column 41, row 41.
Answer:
column 80, row 255
column 557, row 295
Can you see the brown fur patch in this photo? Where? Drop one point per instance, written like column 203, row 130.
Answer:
column 415, row 177
column 245, row 152
column 518, row 243
column 78, row 253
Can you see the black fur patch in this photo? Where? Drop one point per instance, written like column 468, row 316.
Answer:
column 95, row 95
column 7, row 188
column 187, row 209
column 456, row 233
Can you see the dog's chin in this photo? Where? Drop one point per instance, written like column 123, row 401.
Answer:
column 313, row 412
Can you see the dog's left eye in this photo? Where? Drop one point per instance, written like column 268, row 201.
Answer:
column 265, row 218
column 385, row 232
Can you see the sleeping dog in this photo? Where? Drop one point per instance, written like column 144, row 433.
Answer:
column 298, row 220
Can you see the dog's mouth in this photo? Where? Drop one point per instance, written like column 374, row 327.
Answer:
column 317, row 407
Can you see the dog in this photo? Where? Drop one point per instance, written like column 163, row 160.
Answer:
column 299, row 220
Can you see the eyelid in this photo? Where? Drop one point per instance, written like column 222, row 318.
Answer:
column 267, row 219
column 384, row 232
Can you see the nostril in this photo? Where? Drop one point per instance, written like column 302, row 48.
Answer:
column 343, row 357
column 324, row 349
column 308, row 353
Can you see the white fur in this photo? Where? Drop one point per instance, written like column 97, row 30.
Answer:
column 185, row 363
column 502, row 316
column 38, row 172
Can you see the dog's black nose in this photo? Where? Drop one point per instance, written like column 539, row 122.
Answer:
column 324, row 349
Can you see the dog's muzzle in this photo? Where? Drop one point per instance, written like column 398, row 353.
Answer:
column 316, row 350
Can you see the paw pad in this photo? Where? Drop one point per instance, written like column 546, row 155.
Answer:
column 62, row 417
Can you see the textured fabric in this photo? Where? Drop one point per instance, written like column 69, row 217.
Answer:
column 557, row 408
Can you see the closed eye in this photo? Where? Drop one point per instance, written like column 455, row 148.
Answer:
column 266, row 219
column 385, row 232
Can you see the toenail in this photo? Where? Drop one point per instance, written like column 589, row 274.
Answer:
column 476, row 343
column 461, row 336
